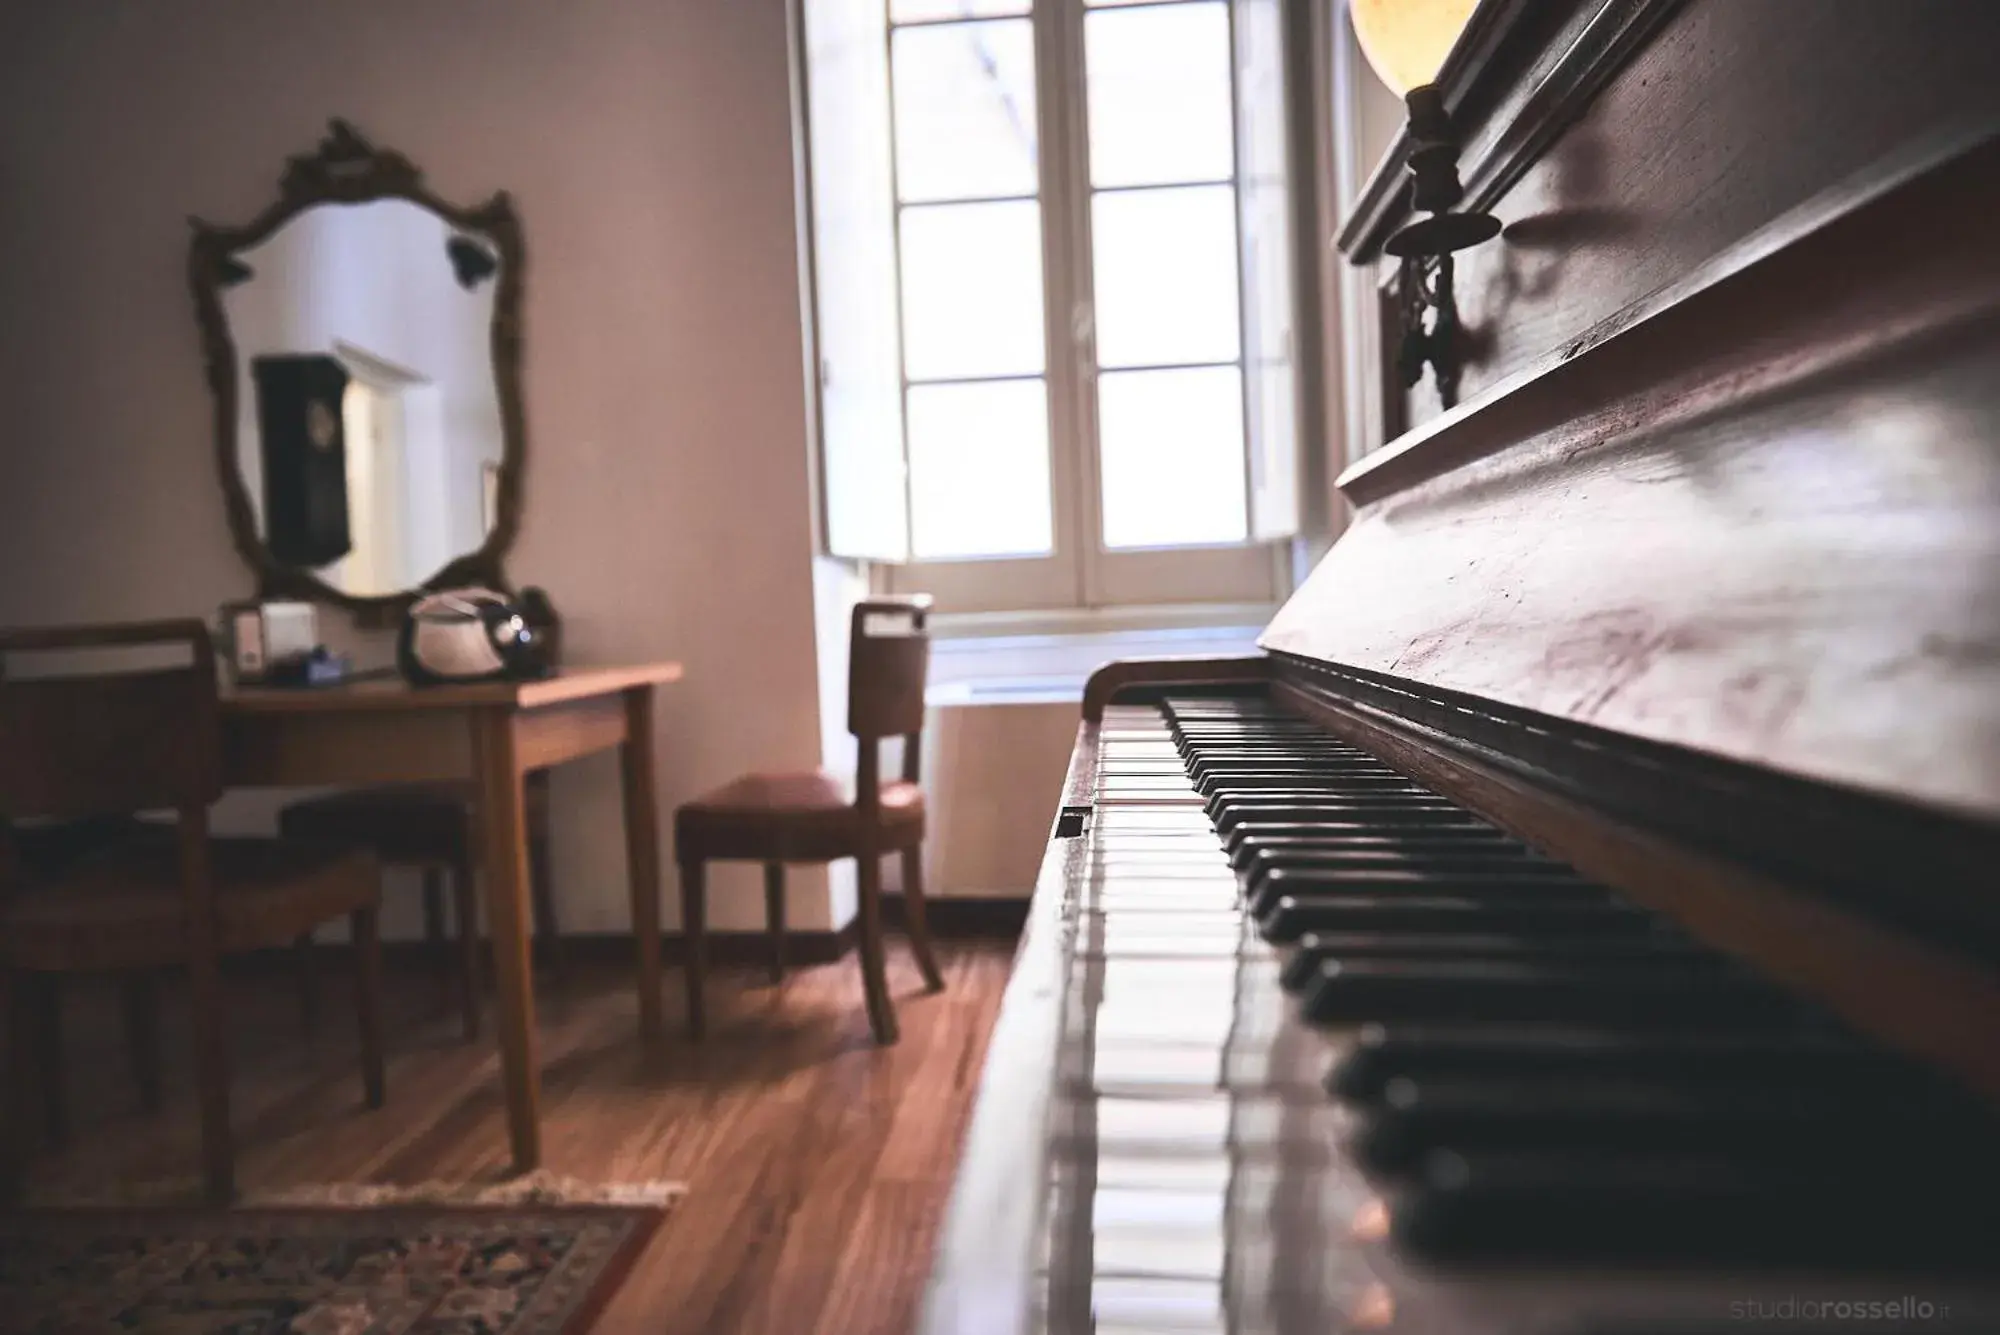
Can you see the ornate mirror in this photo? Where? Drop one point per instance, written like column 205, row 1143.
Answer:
column 362, row 339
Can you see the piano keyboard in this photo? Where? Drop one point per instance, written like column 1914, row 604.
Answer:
column 1336, row 1054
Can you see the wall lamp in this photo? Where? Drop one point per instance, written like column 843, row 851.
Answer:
column 1406, row 42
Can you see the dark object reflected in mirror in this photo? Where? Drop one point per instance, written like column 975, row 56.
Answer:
column 472, row 262
column 302, row 456
column 362, row 345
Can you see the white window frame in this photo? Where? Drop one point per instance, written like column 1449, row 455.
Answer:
column 1080, row 573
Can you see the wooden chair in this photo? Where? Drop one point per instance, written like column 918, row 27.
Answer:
column 87, row 744
column 429, row 827
column 807, row 817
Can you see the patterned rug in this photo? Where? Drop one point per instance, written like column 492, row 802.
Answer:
column 404, row 1270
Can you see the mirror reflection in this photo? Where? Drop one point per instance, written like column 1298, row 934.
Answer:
column 369, row 436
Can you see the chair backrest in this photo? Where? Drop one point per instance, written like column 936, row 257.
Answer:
column 889, row 655
column 82, row 734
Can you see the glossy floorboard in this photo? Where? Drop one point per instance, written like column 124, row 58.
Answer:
column 818, row 1166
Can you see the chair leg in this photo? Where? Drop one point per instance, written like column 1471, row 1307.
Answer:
column 914, row 921
column 308, row 969
column 139, row 994
column 435, row 944
column 874, row 980
column 694, row 935
column 46, row 993
column 211, row 1065
column 774, row 916
column 541, row 886
column 15, row 1119
column 368, row 1000
column 465, row 907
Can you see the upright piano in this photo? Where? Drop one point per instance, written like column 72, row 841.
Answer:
column 1583, row 914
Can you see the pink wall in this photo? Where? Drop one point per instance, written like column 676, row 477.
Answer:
column 647, row 144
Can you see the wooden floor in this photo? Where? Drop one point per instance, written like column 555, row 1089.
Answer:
column 818, row 1166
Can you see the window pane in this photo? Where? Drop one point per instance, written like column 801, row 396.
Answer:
column 914, row 11
column 854, row 245
column 979, row 469
column 1172, row 449
column 965, row 110
column 1165, row 265
column 972, row 290
column 1159, row 95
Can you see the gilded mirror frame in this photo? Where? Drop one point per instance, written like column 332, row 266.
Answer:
column 347, row 169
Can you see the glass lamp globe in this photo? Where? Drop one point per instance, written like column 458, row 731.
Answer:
column 1407, row 40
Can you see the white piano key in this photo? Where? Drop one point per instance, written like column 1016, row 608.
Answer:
column 1129, row 943
column 1156, row 1305
column 1152, row 1068
column 1185, row 821
column 1206, row 980
column 1162, row 1253
column 1137, row 1023
column 1141, row 899
column 1195, row 1125
column 1163, row 1174
column 1140, row 1209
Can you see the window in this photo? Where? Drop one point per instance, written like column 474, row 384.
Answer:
column 1038, row 229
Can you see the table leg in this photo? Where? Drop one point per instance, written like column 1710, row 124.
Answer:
column 503, row 835
column 642, row 854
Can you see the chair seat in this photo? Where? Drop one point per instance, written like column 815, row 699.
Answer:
column 402, row 823
column 125, row 909
column 399, row 822
column 802, row 816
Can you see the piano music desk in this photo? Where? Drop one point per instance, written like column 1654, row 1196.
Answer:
column 488, row 735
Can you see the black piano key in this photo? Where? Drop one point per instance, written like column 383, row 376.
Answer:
column 1357, row 991
column 1411, row 849
column 1271, row 873
column 1305, row 888
column 1292, row 917
column 1457, row 836
column 1669, row 1209
column 1220, row 790
column 1762, row 1121
column 1268, row 772
column 1225, row 773
column 1238, row 823
column 1344, row 830
column 1814, row 1056
column 1251, row 725
column 1393, row 816
column 1257, row 760
column 1223, row 725
column 1305, row 772
column 1319, row 769
column 1250, row 744
column 1309, row 802
column 1458, row 839
column 1229, row 809
column 1317, row 948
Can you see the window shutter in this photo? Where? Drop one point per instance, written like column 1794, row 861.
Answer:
column 854, row 279
column 1270, row 369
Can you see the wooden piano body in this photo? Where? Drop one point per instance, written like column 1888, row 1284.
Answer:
column 1697, row 589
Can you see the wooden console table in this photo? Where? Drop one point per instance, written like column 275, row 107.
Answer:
column 488, row 736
